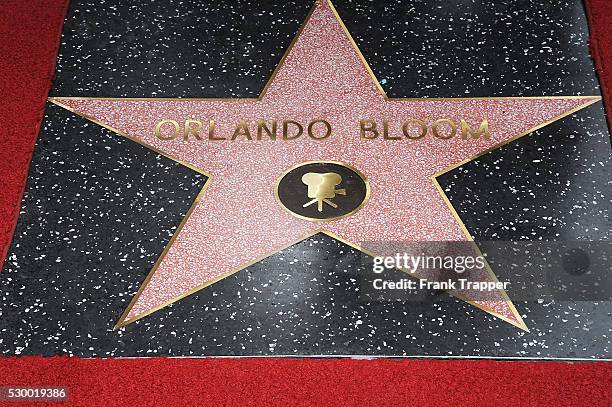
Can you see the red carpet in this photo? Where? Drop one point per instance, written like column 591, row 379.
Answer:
column 290, row 382
column 29, row 39
column 599, row 13
column 29, row 36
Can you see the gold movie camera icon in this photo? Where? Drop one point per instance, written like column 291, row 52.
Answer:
column 322, row 188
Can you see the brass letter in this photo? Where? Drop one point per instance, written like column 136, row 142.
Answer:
column 242, row 130
column 286, row 135
column 161, row 123
column 371, row 127
column 453, row 127
column 419, row 123
column 189, row 130
column 312, row 123
column 211, row 131
column 482, row 129
column 386, row 135
column 261, row 126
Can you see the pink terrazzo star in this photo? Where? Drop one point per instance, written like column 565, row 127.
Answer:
column 237, row 221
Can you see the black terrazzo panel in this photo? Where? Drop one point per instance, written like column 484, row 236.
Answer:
column 97, row 211
column 105, row 207
column 474, row 48
column 174, row 48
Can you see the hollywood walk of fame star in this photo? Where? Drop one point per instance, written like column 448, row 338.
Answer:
column 235, row 221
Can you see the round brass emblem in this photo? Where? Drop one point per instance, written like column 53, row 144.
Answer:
column 322, row 190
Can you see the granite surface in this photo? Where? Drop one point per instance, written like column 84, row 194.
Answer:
column 99, row 209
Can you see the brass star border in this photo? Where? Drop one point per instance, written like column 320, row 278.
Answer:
column 121, row 323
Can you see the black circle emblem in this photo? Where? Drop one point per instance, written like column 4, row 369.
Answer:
column 322, row 190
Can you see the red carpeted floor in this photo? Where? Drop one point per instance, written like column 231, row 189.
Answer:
column 29, row 36
column 599, row 13
column 290, row 382
column 29, row 39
